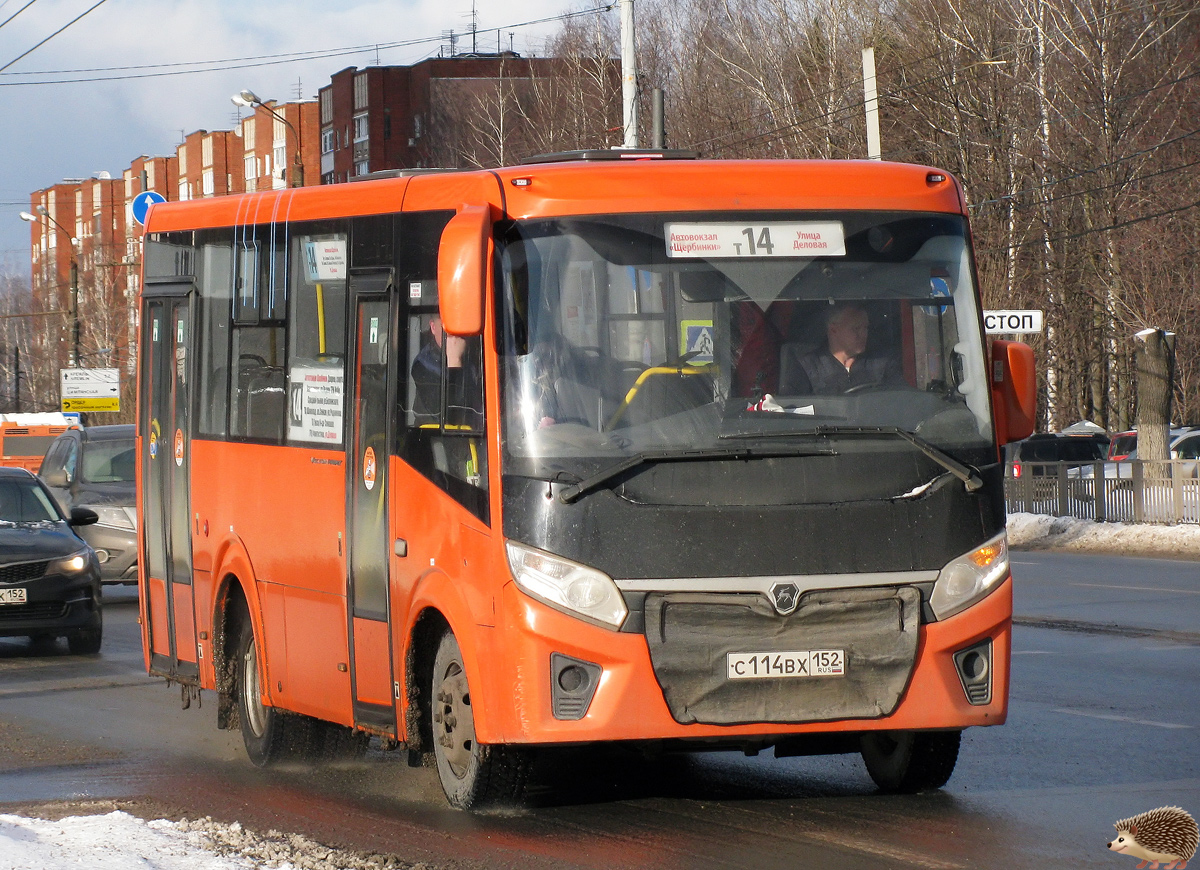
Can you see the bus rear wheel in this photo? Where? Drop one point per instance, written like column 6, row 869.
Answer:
column 910, row 761
column 472, row 774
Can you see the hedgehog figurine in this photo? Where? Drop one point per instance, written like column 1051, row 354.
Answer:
column 1167, row 835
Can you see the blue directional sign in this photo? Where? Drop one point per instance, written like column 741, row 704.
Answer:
column 142, row 202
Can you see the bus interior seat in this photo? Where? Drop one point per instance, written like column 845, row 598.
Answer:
column 265, row 398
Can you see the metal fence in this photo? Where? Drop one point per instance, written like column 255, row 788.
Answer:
column 1137, row 491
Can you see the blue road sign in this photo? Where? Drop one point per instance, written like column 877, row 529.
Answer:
column 142, row 202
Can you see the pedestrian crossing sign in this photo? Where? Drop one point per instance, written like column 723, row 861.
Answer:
column 696, row 338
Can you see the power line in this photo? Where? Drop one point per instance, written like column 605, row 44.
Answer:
column 253, row 61
column 98, row 4
column 18, row 12
column 1088, row 232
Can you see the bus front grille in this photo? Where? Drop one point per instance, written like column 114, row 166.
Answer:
column 692, row 636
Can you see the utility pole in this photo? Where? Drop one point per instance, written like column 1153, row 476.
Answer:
column 75, row 310
column 628, row 75
column 17, row 378
column 871, row 101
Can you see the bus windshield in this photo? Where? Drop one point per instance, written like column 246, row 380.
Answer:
column 628, row 334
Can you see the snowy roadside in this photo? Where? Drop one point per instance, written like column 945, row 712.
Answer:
column 1067, row 534
column 119, row 841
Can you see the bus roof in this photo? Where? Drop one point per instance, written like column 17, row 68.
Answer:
column 593, row 187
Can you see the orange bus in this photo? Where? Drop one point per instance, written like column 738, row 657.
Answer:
column 610, row 446
column 25, row 438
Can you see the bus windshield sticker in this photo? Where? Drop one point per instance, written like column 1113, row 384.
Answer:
column 325, row 260
column 369, row 468
column 315, row 404
column 758, row 240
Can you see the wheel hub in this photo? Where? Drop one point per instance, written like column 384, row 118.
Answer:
column 453, row 721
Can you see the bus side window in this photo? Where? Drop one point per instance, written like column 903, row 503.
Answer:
column 442, row 428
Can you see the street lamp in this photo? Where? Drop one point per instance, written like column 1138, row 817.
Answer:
column 249, row 99
column 30, row 218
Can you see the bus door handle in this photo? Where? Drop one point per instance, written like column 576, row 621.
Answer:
column 401, row 547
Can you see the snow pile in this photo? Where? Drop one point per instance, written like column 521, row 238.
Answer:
column 1041, row 532
column 119, row 841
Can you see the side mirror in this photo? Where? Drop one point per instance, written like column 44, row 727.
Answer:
column 58, row 478
column 82, row 516
column 462, row 269
column 1014, row 390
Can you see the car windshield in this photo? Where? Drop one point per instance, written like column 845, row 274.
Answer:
column 109, row 461
column 23, row 501
column 623, row 334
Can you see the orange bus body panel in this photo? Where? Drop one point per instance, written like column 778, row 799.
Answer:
column 185, row 632
column 158, row 625
column 372, row 662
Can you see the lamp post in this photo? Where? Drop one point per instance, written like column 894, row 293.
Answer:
column 250, row 99
column 30, row 218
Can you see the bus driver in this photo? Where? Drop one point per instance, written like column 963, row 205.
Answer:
column 841, row 364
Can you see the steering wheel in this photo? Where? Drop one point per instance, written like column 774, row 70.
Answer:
column 862, row 388
column 252, row 356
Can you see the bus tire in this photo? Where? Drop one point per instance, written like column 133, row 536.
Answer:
column 270, row 735
column 472, row 774
column 903, row 762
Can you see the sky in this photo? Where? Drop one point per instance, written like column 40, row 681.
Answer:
column 55, row 129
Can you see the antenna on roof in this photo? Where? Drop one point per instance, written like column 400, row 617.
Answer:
column 299, row 89
column 450, row 36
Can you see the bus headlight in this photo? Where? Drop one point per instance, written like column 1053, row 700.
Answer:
column 566, row 585
column 969, row 578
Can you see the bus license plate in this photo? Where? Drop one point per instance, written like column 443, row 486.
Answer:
column 12, row 596
column 770, row 665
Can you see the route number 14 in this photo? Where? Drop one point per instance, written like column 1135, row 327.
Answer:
column 763, row 243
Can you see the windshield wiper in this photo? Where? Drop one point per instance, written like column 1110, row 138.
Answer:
column 571, row 493
column 968, row 475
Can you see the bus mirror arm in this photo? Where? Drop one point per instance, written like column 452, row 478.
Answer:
column 1014, row 390
column 462, row 269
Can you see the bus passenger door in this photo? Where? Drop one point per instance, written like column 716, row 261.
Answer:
column 368, row 538
column 167, row 603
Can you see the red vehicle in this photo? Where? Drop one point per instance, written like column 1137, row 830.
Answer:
column 484, row 462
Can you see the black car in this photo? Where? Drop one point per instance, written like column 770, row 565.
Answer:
column 49, row 576
column 1037, row 449
column 93, row 467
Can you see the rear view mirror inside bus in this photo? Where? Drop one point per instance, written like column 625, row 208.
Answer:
column 1014, row 390
column 462, row 269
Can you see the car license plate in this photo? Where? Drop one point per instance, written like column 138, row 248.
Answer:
column 12, row 596
column 769, row 665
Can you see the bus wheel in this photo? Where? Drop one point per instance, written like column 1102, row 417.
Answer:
column 472, row 774
column 910, row 761
column 269, row 734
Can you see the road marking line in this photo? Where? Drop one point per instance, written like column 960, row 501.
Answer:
column 880, row 850
column 1138, row 588
column 1034, row 652
column 1128, row 719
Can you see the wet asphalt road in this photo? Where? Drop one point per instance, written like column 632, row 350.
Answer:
column 1103, row 724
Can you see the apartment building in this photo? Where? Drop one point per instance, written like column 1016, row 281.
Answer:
column 279, row 146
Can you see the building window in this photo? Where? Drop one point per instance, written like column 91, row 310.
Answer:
column 327, row 141
column 360, row 91
column 184, row 192
column 206, row 151
column 279, row 131
column 362, row 167
column 251, row 167
column 416, row 126
column 362, row 128
column 248, row 133
column 182, row 160
column 327, row 105
column 209, row 188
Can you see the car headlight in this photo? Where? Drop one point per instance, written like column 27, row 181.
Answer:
column 71, row 565
column 969, row 578
column 117, row 517
column 566, row 585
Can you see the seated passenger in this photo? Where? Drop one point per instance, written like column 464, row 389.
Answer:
column 557, row 392
column 840, row 365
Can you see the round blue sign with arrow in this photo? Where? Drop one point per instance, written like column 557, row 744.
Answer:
column 142, row 202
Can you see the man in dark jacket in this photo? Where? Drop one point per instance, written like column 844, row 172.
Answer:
column 841, row 365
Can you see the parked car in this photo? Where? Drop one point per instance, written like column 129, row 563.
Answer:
column 49, row 576
column 94, row 467
column 1029, row 455
column 1184, row 443
column 1124, row 444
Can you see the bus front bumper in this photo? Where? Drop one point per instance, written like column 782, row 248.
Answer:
column 622, row 698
